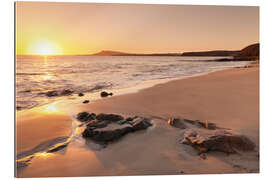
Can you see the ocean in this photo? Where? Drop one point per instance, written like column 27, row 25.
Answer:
column 36, row 75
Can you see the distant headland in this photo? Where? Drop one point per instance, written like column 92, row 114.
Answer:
column 247, row 52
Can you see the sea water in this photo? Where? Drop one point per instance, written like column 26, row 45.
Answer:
column 36, row 75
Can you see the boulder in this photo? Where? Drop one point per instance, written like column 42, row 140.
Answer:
column 177, row 122
column 85, row 116
column 140, row 123
column 97, row 124
column 109, row 117
column 111, row 132
column 110, row 127
column 105, row 94
column 217, row 140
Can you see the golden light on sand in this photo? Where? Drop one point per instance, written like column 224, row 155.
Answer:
column 51, row 108
column 44, row 47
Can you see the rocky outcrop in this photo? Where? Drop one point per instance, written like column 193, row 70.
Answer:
column 109, row 117
column 217, row 140
column 250, row 51
column 110, row 127
column 85, row 116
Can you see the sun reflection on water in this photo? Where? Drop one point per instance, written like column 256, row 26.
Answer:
column 47, row 76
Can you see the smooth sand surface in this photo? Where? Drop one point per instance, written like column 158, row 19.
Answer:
column 228, row 98
column 35, row 127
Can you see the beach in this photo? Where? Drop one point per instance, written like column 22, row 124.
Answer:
column 228, row 98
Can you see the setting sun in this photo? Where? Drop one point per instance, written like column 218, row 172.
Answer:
column 44, row 47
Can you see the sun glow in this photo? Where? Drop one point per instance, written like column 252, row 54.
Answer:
column 44, row 47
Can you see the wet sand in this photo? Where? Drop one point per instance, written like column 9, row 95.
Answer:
column 228, row 98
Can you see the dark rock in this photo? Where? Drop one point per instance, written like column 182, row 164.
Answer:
column 131, row 118
column 51, row 93
column 105, row 94
column 18, row 107
column 176, row 122
column 109, row 117
column 80, row 94
column 92, row 116
column 140, row 123
column 110, row 127
column 217, row 140
column 97, row 124
column 111, row 132
column 86, row 101
column 66, row 92
column 85, row 116
column 82, row 116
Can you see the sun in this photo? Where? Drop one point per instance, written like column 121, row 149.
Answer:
column 44, row 48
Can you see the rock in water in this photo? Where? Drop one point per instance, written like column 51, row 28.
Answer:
column 178, row 123
column 86, row 101
column 66, row 92
column 105, row 94
column 217, row 140
column 51, row 93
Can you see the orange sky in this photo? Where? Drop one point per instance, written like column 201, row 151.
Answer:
column 83, row 28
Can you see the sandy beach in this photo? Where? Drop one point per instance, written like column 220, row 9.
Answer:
column 229, row 98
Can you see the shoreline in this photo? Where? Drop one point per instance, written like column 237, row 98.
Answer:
column 193, row 98
column 95, row 96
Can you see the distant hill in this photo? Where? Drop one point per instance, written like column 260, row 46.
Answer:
column 211, row 53
column 117, row 53
column 110, row 53
column 250, row 51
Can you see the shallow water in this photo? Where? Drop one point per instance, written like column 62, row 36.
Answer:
column 89, row 74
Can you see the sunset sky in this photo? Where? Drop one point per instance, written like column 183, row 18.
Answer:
column 84, row 28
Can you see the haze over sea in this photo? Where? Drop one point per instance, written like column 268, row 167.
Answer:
column 36, row 75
